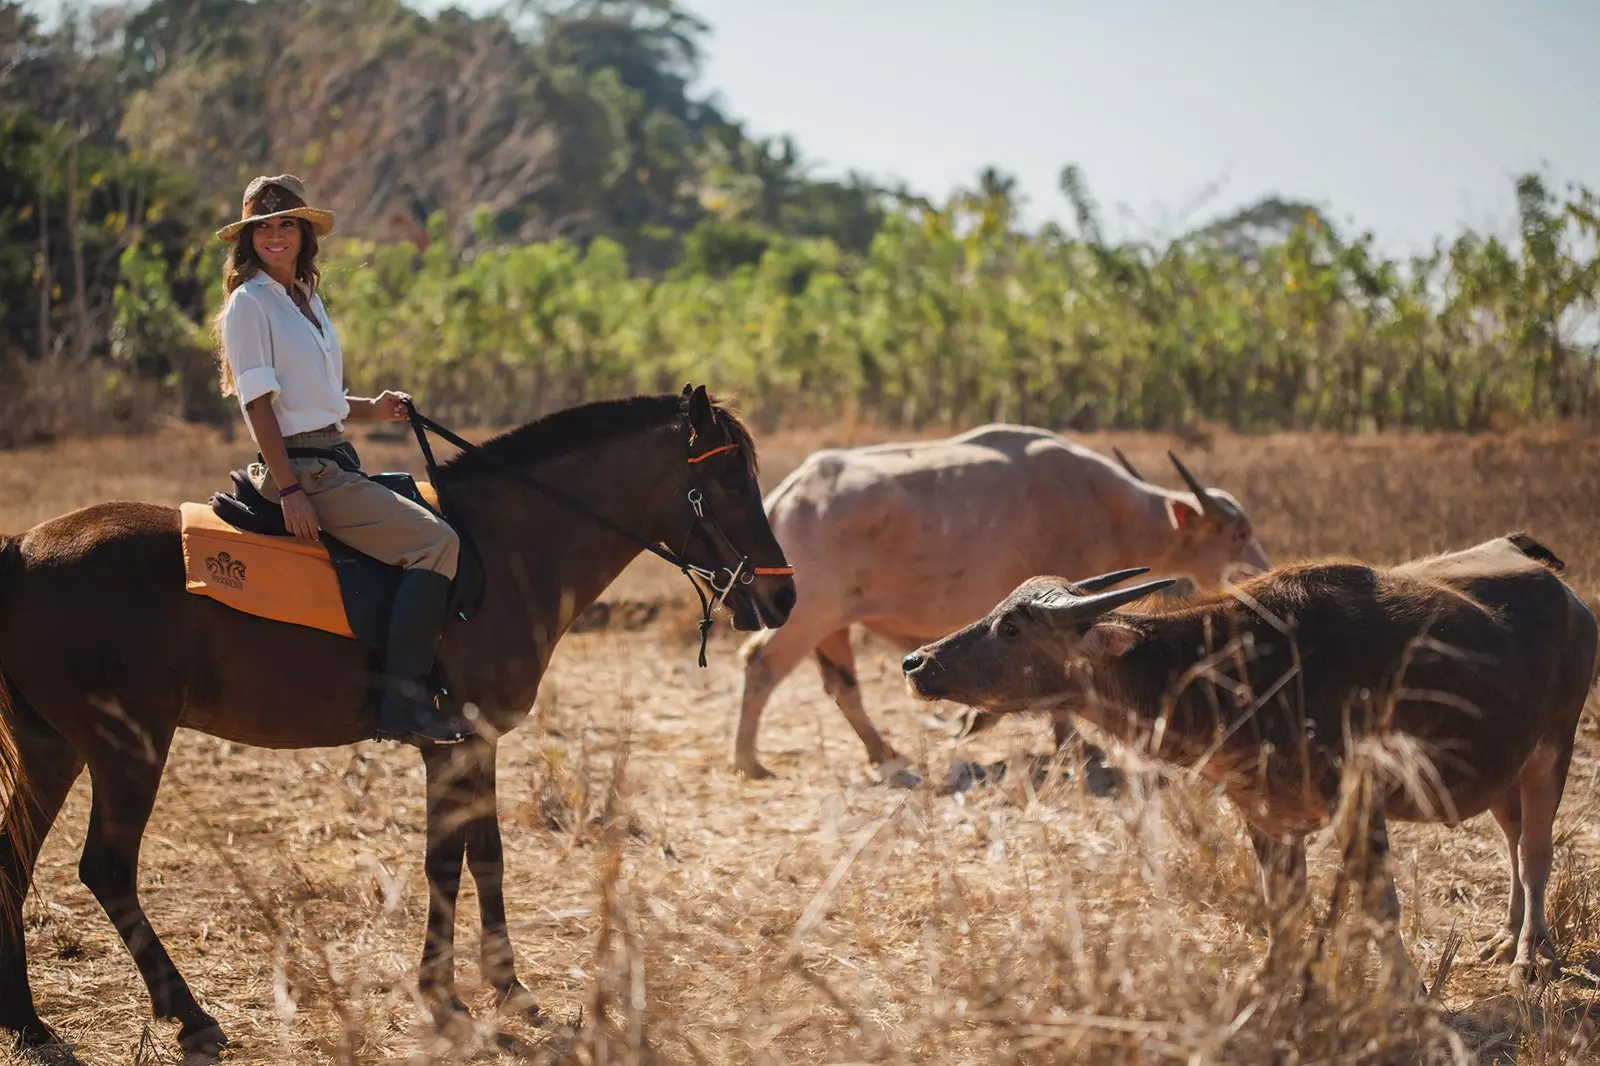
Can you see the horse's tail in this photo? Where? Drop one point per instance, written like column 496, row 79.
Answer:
column 16, row 791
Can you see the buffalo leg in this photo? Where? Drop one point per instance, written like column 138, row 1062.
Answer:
column 52, row 766
column 837, row 663
column 486, row 862
column 1508, row 813
column 770, row 657
column 1282, row 865
column 1541, row 785
column 125, row 780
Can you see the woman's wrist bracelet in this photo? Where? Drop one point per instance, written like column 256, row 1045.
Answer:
column 290, row 491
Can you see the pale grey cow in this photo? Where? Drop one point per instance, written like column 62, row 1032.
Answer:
column 914, row 540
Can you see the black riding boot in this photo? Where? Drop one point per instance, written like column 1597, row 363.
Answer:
column 405, row 711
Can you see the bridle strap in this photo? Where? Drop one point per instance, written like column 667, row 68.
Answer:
column 703, row 456
column 421, row 425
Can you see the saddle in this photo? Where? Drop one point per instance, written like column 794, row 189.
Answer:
column 298, row 583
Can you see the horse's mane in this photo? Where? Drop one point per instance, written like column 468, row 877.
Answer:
column 590, row 424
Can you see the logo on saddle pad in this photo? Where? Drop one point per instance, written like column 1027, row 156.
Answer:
column 225, row 570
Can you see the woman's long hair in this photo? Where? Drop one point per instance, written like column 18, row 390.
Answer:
column 241, row 265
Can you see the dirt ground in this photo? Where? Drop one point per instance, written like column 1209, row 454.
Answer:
column 819, row 917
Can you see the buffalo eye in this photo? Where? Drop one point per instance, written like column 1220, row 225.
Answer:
column 1008, row 629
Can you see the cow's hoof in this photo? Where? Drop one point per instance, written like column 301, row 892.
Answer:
column 1527, row 974
column 896, row 773
column 751, row 770
column 202, row 1041
column 1501, row 950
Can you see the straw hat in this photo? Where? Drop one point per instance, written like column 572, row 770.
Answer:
column 277, row 197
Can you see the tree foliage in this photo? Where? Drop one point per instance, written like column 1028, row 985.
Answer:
column 535, row 208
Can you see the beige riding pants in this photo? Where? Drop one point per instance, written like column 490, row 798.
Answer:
column 363, row 514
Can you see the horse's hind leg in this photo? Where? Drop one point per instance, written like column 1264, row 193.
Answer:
column 125, row 780
column 52, row 766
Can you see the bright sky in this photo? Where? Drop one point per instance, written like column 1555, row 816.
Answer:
column 1408, row 117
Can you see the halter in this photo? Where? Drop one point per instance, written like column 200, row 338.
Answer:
column 740, row 573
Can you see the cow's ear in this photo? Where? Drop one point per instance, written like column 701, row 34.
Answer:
column 1107, row 641
column 1184, row 518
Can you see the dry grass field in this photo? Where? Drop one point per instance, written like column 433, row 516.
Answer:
column 664, row 910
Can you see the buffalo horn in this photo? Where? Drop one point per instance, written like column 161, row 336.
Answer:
column 1212, row 507
column 1129, row 467
column 1072, row 610
column 1101, row 582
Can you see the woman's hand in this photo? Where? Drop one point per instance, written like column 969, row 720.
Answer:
column 299, row 516
column 390, row 406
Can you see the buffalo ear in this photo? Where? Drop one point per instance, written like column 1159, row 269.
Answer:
column 1184, row 518
column 1107, row 641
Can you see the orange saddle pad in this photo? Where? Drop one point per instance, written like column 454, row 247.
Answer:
column 285, row 579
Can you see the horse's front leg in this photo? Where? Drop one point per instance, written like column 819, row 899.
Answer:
column 453, row 783
column 486, row 860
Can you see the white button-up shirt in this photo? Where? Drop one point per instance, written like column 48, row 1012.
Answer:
column 273, row 349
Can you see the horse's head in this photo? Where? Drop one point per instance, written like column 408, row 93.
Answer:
column 725, row 526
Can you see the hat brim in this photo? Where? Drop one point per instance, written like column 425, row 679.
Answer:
column 321, row 222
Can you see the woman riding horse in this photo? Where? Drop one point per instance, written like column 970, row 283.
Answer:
column 280, row 356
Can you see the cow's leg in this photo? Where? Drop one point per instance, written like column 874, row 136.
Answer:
column 837, row 663
column 770, row 656
column 1541, row 784
column 1366, row 859
column 1282, row 865
column 52, row 765
column 452, row 799
column 125, row 780
column 1508, row 813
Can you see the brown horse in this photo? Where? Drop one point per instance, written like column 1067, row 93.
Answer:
column 103, row 655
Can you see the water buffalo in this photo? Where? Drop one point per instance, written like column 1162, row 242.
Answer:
column 1465, row 673
column 911, row 540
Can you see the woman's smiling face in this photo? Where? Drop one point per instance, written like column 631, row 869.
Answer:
column 277, row 244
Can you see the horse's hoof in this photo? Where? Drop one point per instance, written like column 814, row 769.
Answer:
column 519, row 1002
column 449, row 1012
column 204, row 1041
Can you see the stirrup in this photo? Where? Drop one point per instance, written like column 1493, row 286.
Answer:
column 421, row 721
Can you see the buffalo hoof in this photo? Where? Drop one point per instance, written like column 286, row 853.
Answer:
column 1501, row 950
column 1528, row 974
column 751, row 770
column 896, row 773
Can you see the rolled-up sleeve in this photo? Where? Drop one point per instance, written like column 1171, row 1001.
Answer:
column 247, row 342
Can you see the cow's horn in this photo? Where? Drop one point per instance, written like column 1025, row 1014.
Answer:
column 1129, row 467
column 1075, row 610
column 1213, row 508
column 1100, row 582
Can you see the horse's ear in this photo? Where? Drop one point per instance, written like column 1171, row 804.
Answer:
column 700, row 416
column 687, row 389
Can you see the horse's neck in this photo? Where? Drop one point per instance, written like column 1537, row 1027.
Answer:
column 545, row 563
